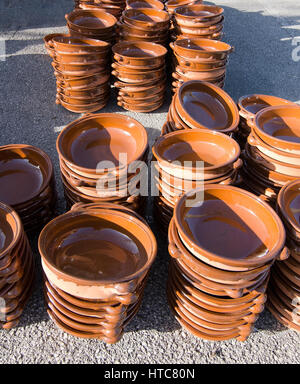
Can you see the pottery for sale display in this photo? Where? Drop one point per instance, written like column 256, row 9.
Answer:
column 96, row 155
column 94, row 288
column 249, row 106
column 284, row 290
column 17, row 269
column 27, row 184
column 140, row 71
column 144, row 24
column 271, row 155
column 81, row 67
column 217, row 285
column 199, row 104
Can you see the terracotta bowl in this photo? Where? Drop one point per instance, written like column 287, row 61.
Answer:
column 199, row 31
column 84, row 82
column 279, row 127
column 83, row 58
column 139, row 53
column 79, row 108
column 250, row 105
column 11, row 230
column 261, row 232
column 114, row 134
column 114, row 10
column 25, row 172
column 204, row 49
column 289, row 206
column 270, row 163
column 91, row 21
column 156, row 4
column 197, row 64
column 172, row 4
column 131, row 30
column 194, row 101
column 87, row 93
column 196, row 14
column 146, row 18
column 142, row 108
column 48, row 41
column 141, row 92
column 136, row 78
column 78, row 70
column 272, row 152
column 196, row 145
column 69, row 44
column 204, row 75
column 119, row 276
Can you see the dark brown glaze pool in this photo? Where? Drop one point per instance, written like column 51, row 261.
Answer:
column 92, row 248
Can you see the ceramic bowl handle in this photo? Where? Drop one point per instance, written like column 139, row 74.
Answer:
column 50, row 44
column 172, row 46
column 114, row 73
column 128, row 299
column 174, row 251
column 234, row 293
column 66, row 16
column 251, row 140
column 238, row 164
column 284, row 254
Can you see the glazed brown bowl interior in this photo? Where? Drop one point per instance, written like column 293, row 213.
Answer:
column 198, row 11
column 101, row 137
column 198, row 46
column 279, row 126
column 156, row 4
column 207, row 106
column 229, row 225
column 94, row 20
column 146, row 16
column 120, row 247
column 70, row 44
column 214, row 149
column 25, row 171
column 143, row 50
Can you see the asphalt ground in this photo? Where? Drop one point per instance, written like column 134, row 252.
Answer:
column 264, row 34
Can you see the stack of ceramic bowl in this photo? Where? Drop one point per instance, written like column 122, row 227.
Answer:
column 27, row 184
column 222, row 242
column 147, row 24
column 94, row 284
column 97, row 156
column 272, row 153
column 284, row 290
column 92, row 24
column 82, row 72
column 136, row 4
column 198, row 20
column 198, row 104
column 140, row 70
column 188, row 159
column 249, row 106
column 16, row 268
column 199, row 59
column 115, row 8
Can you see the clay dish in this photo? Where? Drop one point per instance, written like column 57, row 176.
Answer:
column 88, row 108
column 199, row 32
column 109, row 8
column 196, row 14
column 48, row 41
column 245, row 217
column 25, row 171
column 129, row 29
column 287, row 168
column 82, row 58
column 141, row 92
column 145, row 100
column 69, row 44
column 80, row 83
column 156, row 4
column 204, row 105
column 272, row 152
column 147, row 18
column 172, row 4
column 139, row 53
column 250, row 105
column 289, row 205
column 133, row 78
column 178, row 251
column 78, row 276
column 83, row 101
column 95, row 21
column 85, row 142
column 87, row 93
column 279, row 127
column 11, row 230
column 198, row 64
column 204, row 49
column 219, row 153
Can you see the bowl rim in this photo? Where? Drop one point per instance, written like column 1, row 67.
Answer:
column 281, row 199
column 17, row 234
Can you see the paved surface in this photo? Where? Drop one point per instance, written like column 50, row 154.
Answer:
column 262, row 32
